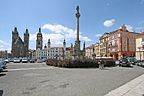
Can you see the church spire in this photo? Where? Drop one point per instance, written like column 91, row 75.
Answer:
column 15, row 30
column 39, row 30
column 49, row 43
column 84, row 46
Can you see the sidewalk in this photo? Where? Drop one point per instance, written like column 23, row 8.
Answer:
column 132, row 88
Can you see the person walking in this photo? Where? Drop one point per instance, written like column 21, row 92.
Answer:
column 101, row 64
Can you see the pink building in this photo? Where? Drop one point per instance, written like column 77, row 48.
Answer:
column 121, row 43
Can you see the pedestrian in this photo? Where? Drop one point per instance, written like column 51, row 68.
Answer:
column 101, row 64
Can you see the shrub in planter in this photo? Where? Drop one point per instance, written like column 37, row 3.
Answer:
column 77, row 63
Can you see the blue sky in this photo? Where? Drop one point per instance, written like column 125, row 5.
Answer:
column 57, row 19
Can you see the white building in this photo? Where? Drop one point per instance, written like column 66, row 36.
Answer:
column 140, row 46
column 55, row 53
column 51, row 52
column 41, row 54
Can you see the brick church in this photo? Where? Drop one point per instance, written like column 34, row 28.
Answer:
column 20, row 48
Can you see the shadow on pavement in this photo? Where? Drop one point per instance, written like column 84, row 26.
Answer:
column 1, row 92
column 5, row 71
column 2, row 74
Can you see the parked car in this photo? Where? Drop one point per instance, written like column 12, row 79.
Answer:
column 24, row 60
column 132, row 60
column 3, row 64
column 117, row 62
column 11, row 60
column 124, row 62
column 16, row 60
column 6, row 60
column 138, row 63
column 32, row 60
column 1, row 69
column 39, row 61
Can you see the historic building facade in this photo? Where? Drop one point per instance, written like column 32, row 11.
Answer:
column 89, row 51
column 51, row 52
column 20, row 48
column 103, row 44
column 97, row 49
column 140, row 46
column 3, row 54
column 39, row 40
column 122, row 43
column 60, row 52
column 116, row 44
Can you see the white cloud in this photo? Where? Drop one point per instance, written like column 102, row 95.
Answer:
column 57, row 33
column 4, row 46
column 3, row 42
column 129, row 28
column 98, row 35
column 57, row 28
column 109, row 23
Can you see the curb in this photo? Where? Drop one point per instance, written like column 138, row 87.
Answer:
column 133, row 88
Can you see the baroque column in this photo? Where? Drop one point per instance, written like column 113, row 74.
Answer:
column 77, row 51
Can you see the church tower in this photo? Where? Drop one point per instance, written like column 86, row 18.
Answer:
column 26, row 43
column 49, row 43
column 15, row 36
column 39, row 40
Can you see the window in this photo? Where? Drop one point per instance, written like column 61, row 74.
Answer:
column 143, row 47
column 142, row 39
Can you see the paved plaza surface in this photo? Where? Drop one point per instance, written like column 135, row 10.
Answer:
column 38, row 79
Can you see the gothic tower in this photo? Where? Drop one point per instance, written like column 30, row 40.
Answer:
column 39, row 40
column 15, row 36
column 26, row 43
column 49, row 43
column 64, row 44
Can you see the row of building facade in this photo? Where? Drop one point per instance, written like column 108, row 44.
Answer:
column 117, row 44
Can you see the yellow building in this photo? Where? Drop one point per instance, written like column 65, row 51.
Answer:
column 103, row 44
column 97, row 49
column 89, row 51
column 140, row 46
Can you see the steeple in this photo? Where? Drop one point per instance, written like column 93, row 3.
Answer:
column 64, row 43
column 26, row 42
column 84, row 46
column 39, row 41
column 39, row 30
column 15, row 30
column 26, row 31
column 49, row 43
column 45, row 46
column 71, row 45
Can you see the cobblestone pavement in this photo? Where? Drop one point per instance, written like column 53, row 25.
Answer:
column 41, row 80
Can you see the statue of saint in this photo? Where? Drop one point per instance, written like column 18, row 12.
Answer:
column 77, row 8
